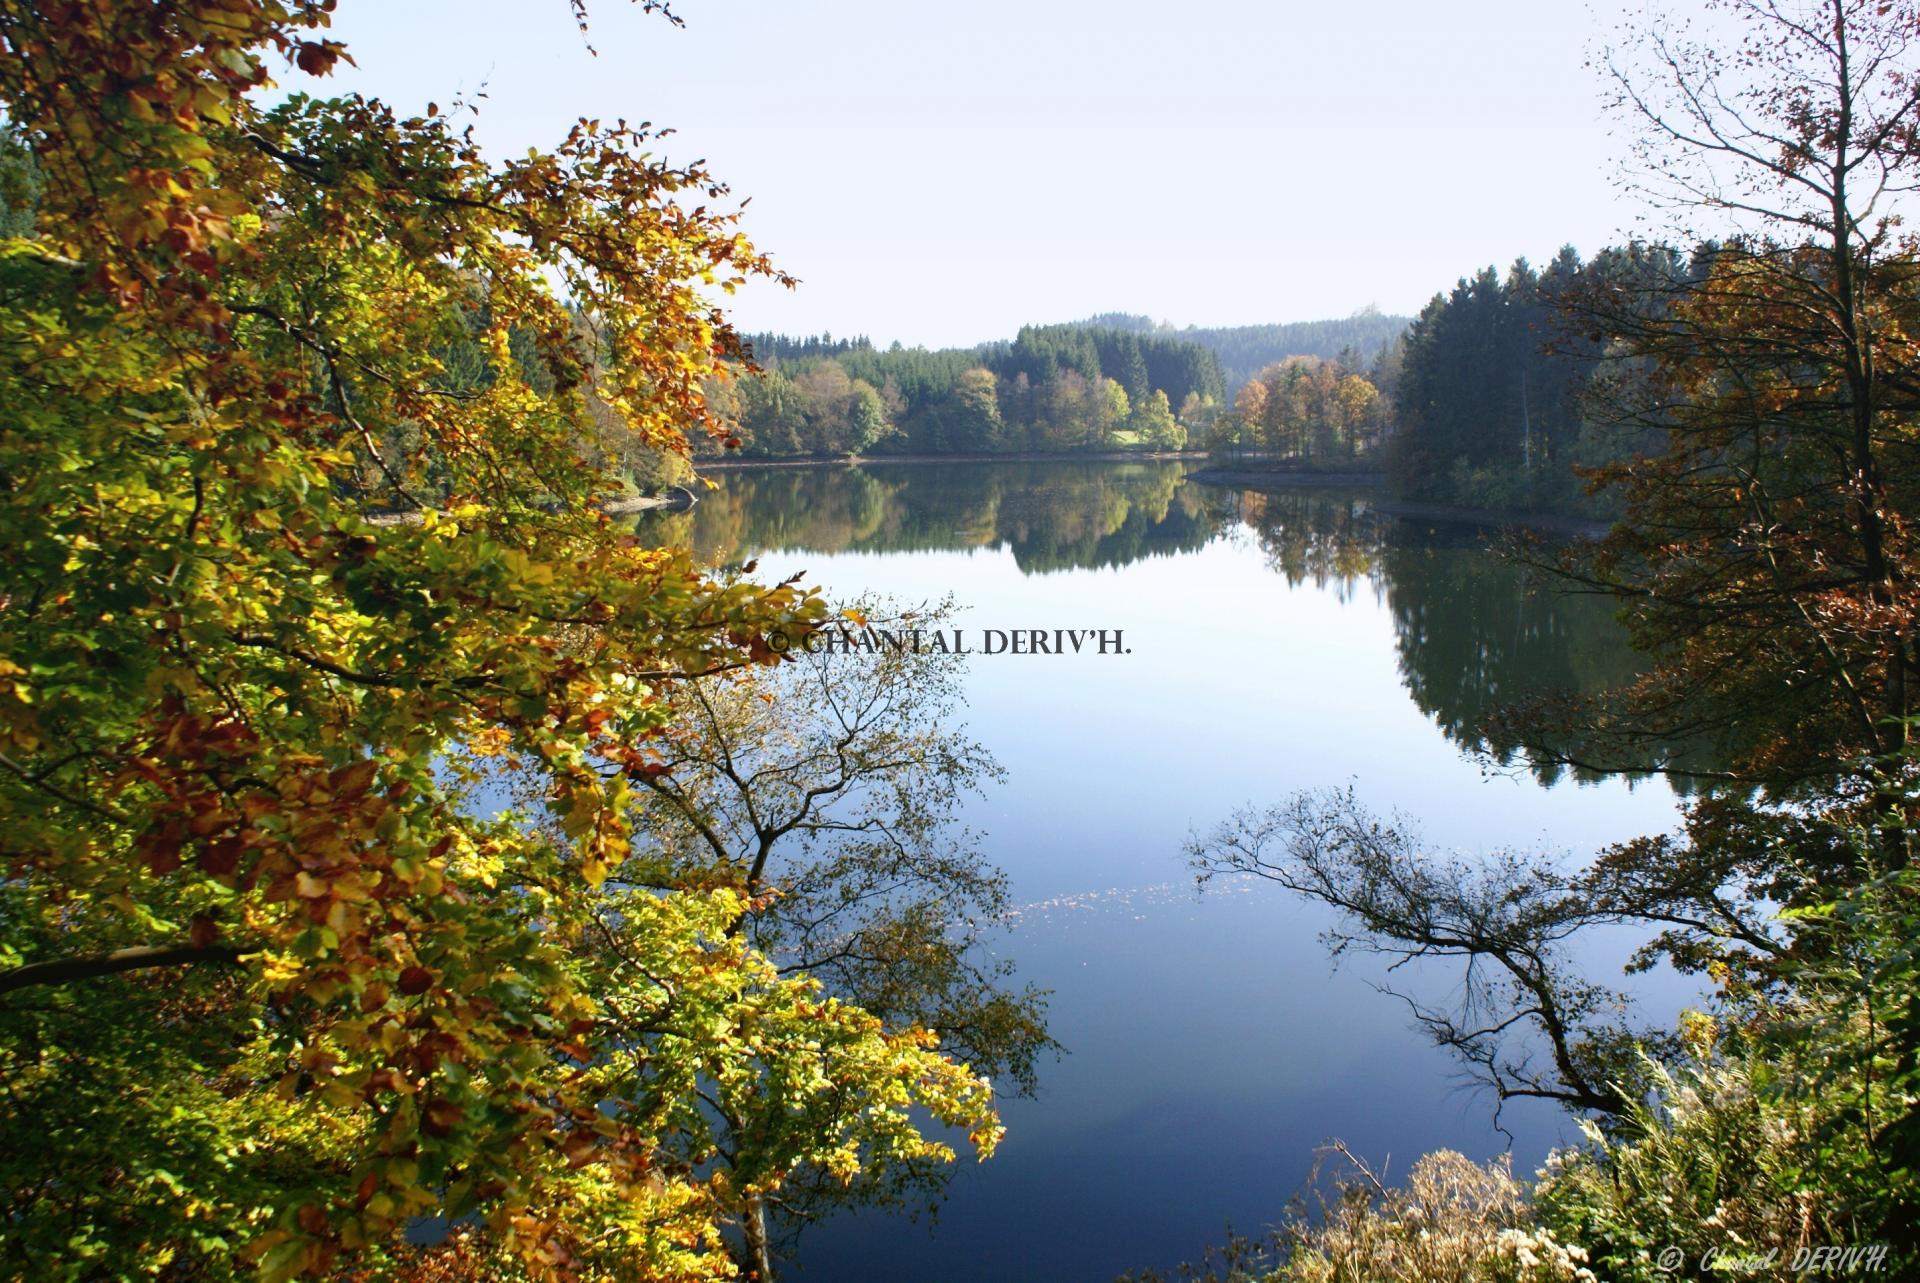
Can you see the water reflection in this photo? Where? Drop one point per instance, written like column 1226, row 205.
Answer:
column 1052, row 516
column 1473, row 633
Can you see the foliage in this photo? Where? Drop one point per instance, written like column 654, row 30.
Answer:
column 1709, row 1168
column 1790, row 1124
column 1491, row 401
column 19, row 186
column 1305, row 411
column 816, row 410
column 1782, row 1127
column 1763, row 559
column 823, row 791
column 1755, row 401
column 1766, row 548
column 272, row 986
column 1088, row 385
column 1054, row 388
column 1140, row 363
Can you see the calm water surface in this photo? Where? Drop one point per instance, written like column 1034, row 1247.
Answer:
column 1276, row 643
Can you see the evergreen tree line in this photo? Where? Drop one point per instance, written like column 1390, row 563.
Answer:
column 1497, row 404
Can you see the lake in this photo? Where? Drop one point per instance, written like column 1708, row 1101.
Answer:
column 1271, row 643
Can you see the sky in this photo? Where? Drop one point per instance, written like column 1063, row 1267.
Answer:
column 942, row 174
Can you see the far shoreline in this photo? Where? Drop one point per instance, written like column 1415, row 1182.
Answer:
column 1285, row 479
column 724, row 464
column 1267, row 481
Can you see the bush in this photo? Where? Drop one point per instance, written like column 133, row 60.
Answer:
column 1792, row 1126
column 1454, row 1221
column 1712, row 1166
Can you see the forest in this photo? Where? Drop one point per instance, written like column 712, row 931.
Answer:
column 1497, row 404
column 1482, row 401
column 1085, row 386
column 1501, row 396
column 1053, row 388
column 1486, row 400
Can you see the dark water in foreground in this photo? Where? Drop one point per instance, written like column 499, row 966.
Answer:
column 1276, row 643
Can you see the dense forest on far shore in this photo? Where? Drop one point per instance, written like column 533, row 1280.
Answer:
column 1485, row 400
column 1063, row 388
column 1054, row 387
column 1497, row 404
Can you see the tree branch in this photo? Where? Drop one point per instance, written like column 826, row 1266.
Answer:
column 56, row 971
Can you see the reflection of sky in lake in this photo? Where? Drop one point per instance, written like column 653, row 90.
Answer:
column 1212, row 1046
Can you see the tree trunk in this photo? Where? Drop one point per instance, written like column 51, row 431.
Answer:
column 753, row 1224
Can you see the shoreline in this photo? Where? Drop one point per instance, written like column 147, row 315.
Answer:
column 1255, row 479
column 1004, row 456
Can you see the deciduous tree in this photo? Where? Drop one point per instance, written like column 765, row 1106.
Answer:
column 825, row 790
column 1766, row 556
column 269, row 990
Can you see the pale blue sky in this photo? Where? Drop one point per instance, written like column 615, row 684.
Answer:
column 941, row 173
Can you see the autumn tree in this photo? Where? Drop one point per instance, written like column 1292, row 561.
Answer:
column 1303, row 408
column 970, row 419
column 270, row 988
column 1766, row 555
column 825, row 790
column 1056, row 387
column 1354, row 398
column 803, row 408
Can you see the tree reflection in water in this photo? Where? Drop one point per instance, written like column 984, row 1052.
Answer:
column 1475, row 633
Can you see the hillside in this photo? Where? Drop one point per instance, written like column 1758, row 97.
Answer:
column 1244, row 350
